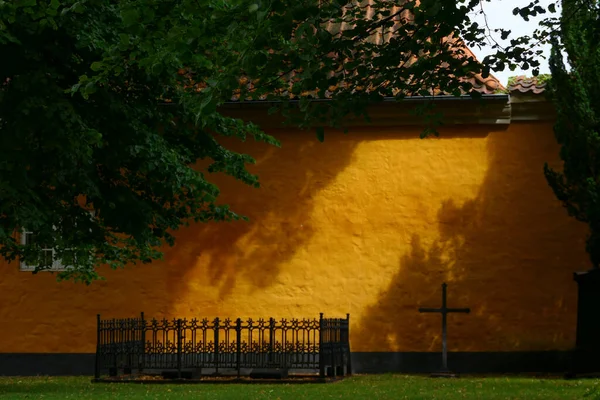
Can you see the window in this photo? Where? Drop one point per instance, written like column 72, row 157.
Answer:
column 46, row 256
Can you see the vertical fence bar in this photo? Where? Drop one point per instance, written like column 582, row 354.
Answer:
column 205, row 355
column 179, row 348
column 152, row 345
column 285, row 354
column 329, row 338
column 238, row 339
column 321, row 347
column 142, row 360
column 271, row 340
column 216, row 328
column 316, row 334
column 227, row 341
column 108, row 325
column 120, row 329
column 347, row 344
column 263, row 351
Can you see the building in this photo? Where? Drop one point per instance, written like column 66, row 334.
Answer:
column 369, row 223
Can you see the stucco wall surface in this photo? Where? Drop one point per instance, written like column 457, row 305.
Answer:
column 369, row 223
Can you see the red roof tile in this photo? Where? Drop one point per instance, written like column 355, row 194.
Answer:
column 523, row 84
column 379, row 36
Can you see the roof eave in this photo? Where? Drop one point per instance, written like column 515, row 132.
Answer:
column 490, row 109
column 493, row 97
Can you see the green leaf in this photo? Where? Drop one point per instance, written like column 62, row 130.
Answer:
column 75, row 88
column 130, row 17
column 78, row 7
column 97, row 66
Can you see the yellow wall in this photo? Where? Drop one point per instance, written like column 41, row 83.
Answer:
column 369, row 223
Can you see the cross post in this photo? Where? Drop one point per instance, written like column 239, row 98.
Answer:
column 444, row 310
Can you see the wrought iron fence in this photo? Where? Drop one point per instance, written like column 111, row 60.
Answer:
column 135, row 344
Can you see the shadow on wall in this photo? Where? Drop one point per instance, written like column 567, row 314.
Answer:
column 223, row 254
column 208, row 256
column 508, row 254
column 217, row 260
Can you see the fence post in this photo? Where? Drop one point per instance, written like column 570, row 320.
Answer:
column 130, row 347
column 179, row 348
column 98, row 344
column 271, row 339
column 321, row 347
column 238, row 339
column 142, row 359
column 348, row 352
column 216, row 328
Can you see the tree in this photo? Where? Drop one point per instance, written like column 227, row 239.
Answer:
column 91, row 162
column 105, row 106
column 576, row 95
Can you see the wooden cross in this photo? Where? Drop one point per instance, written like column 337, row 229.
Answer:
column 444, row 310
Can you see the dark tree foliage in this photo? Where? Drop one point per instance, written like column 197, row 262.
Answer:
column 106, row 106
column 576, row 95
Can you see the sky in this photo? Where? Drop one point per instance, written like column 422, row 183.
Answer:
column 499, row 15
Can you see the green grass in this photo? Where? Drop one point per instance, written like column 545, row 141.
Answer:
column 357, row 387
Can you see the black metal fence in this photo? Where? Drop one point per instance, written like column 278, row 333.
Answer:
column 136, row 345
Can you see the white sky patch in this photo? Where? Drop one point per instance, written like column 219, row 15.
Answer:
column 499, row 15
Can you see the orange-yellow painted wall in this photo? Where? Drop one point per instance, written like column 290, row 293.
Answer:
column 369, row 223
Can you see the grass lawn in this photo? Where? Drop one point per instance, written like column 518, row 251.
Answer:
column 357, row 387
